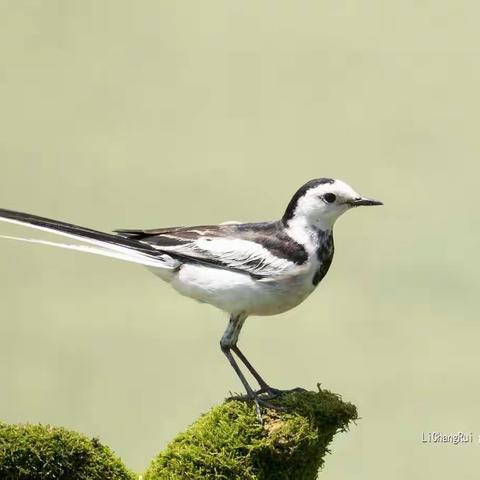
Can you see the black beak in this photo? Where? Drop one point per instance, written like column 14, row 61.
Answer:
column 360, row 201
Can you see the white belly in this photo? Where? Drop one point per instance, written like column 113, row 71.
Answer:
column 236, row 292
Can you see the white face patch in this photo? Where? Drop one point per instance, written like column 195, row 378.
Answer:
column 320, row 207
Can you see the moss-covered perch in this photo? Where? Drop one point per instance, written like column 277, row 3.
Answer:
column 42, row 452
column 228, row 443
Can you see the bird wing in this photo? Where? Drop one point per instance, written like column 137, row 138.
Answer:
column 254, row 249
column 261, row 250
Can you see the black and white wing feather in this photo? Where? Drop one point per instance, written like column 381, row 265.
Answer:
column 261, row 250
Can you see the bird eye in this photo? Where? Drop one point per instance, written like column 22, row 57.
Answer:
column 329, row 197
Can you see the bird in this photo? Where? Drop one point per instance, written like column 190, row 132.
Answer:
column 244, row 269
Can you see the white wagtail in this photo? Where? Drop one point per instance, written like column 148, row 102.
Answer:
column 241, row 268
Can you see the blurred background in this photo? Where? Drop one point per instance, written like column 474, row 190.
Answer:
column 145, row 114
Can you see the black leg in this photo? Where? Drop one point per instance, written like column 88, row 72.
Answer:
column 228, row 343
column 264, row 387
column 250, row 393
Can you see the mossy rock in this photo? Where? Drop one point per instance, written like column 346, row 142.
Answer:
column 42, row 452
column 228, row 443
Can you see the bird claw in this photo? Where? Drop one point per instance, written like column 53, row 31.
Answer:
column 261, row 397
column 259, row 402
column 266, row 393
column 276, row 392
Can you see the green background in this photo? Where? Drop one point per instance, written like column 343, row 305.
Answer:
column 155, row 113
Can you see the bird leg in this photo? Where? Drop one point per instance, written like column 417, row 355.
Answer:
column 264, row 387
column 250, row 393
column 228, row 343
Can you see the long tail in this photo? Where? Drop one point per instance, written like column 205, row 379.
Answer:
column 101, row 243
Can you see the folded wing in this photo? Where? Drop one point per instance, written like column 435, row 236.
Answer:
column 256, row 249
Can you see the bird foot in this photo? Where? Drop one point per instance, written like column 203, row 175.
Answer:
column 261, row 398
column 271, row 392
column 266, row 393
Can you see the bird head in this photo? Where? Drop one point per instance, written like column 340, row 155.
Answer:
column 320, row 202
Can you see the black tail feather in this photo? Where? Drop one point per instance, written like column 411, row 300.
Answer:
column 69, row 228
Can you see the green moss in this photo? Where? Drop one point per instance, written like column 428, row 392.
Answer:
column 227, row 443
column 31, row 452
